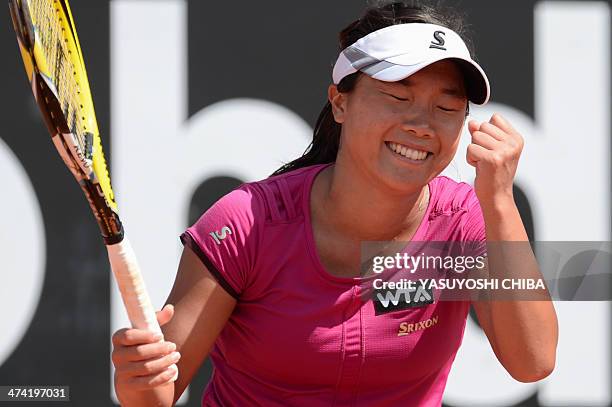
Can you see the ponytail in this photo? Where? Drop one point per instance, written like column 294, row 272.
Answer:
column 326, row 137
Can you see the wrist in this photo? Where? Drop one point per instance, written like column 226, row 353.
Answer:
column 497, row 205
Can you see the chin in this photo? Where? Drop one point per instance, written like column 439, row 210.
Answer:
column 405, row 180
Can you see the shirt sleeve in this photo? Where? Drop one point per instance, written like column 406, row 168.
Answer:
column 225, row 239
column 474, row 226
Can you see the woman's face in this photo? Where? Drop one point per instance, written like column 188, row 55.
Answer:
column 402, row 133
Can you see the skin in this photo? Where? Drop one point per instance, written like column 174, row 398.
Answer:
column 386, row 193
column 370, row 182
column 522, row 334
column 200, row 309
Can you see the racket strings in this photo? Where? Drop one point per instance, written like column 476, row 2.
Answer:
column 58, row 43
column 48, row 19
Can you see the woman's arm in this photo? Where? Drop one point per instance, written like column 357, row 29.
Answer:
column 523, row 334
column 201, row 309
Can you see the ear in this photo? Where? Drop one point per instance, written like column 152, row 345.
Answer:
column 338, row 103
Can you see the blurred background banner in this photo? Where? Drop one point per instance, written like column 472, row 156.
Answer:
column 195, row 97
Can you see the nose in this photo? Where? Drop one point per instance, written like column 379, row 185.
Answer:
column 417, row 121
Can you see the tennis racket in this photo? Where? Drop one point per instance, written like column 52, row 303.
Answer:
column 50, row 50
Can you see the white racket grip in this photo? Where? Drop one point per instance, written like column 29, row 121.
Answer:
column 131, row 285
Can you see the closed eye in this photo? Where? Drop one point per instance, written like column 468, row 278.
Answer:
column 395, row 97
column 445, row 109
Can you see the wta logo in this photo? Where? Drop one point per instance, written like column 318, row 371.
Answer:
column 389, row 300
column 218, row 236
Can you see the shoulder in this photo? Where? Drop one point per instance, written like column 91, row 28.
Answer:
column 450, row 196
column 275, row 199
column 455, row 212
column 281, row 198
column 230, row 236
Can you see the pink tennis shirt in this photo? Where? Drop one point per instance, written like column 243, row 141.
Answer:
column 300, row 336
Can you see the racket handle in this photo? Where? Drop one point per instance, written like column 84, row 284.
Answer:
column 131, row 285
column 133, row 291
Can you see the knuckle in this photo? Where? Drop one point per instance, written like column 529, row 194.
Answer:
column 156, row 380
column 115, row 358
column 118, row 336
column 140, row 351
column 171, row 371
column 128, row 336
column 148, row 367
column 497, row 158
column 150, row 382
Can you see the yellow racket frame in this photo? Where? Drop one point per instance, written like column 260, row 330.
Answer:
column 43, row 66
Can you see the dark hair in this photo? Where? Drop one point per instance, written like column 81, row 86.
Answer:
column 326, row 138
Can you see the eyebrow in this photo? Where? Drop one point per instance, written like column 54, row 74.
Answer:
column 455, row 92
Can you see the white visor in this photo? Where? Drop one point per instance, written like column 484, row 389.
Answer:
column 394, row 53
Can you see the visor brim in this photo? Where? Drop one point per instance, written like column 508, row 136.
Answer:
column 476, row 81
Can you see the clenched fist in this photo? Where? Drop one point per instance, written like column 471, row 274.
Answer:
column 495, row 151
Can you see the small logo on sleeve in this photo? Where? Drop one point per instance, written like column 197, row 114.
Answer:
column 218, row 236
column 406, row 328
column 439, row 41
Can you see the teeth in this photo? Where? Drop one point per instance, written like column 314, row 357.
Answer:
column 408, row 152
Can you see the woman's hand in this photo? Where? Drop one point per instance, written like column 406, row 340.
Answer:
column 495, row 151
column 146, row 367
column 142, row 360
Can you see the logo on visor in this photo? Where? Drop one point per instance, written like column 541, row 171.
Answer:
column 438, row 42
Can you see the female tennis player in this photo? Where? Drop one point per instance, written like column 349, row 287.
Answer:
column 269, row 283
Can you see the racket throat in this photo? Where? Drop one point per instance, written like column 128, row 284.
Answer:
column 107, row 219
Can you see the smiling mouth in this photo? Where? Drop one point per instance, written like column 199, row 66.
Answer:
column 407, row 152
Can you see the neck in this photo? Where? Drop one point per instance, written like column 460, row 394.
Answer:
column 363, row 209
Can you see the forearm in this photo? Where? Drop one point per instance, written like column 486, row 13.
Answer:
column 524, row 331
column 160, row 396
